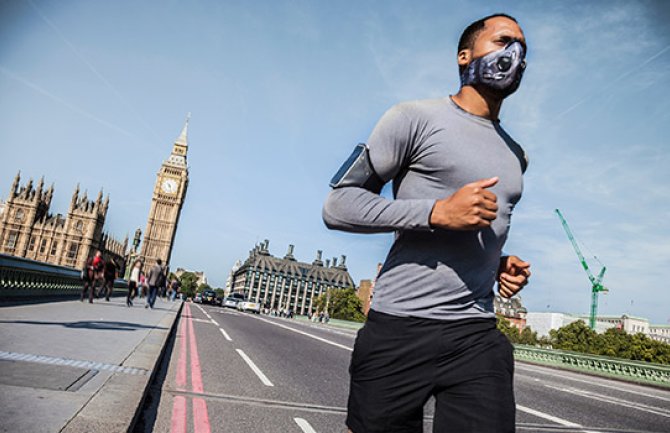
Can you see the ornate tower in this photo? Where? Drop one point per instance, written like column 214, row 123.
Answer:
column 168, row 198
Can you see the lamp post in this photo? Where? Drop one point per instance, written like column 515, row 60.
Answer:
column 133, row 254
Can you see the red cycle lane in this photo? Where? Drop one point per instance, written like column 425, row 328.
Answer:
column 179, row 407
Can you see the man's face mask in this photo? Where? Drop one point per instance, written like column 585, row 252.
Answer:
column 500, row 71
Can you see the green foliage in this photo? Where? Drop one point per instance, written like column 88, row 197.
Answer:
column 203, row 286
column 576, row 336
column 615, row 343
column 526, row 336
column 343, row 304
column 189, row 282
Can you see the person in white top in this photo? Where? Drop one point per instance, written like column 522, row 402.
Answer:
column 132, row 282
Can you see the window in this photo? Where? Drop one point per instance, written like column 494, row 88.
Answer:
column 31, row 244
column 43, row 246
column 54, row 248
column 72, row 252
column 18, row 216
column 79, row 227
column 11, row 240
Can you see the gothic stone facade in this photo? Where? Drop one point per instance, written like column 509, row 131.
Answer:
column 284, row 283
column 166, row 203
column 28, row 230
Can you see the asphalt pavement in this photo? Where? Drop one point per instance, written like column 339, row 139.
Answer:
column 227, row 371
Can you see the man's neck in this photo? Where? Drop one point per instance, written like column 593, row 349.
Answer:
column 470, row 100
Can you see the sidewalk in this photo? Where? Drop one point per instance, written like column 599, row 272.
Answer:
column 79, row 367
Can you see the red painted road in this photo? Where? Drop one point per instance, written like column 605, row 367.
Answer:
column 179, row 408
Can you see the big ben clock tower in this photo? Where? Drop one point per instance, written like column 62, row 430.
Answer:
column 168, row 198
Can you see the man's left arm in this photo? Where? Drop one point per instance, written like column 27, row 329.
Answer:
column 513, row 275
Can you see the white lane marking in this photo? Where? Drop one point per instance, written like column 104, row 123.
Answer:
column 225, row 334
column 214, row 322
column 255, row 369
column 304, row 425
column 201, row 320
column 563, row 376
column 307, row 334
column 613, row 400
column 548, row 417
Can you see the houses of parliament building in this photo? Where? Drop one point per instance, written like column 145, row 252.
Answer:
column 29, row 230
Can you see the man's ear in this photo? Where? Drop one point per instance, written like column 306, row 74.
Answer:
column 464, row 57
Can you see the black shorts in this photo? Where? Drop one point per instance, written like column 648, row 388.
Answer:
column 398, row 363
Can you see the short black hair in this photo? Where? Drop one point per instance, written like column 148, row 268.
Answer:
column 471, row 32
column 159, row 261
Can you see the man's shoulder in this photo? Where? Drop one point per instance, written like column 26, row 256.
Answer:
column 420, row 108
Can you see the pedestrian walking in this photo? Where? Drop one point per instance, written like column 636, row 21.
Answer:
column 175, row 287
column 109, row 275
column 142, row 289
column 88, row 278
column 133, row 281
column 155, row 280
column 457, row 175
column 98, row 267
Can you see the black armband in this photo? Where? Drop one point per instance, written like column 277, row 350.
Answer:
column 357, row 171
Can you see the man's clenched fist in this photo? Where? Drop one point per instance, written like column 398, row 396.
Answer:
column 470, row 208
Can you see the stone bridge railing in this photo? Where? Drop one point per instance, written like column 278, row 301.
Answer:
column 23, row 278
column 634, row 371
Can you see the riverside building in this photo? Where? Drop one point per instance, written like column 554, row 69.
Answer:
column 29, row 230
column 285, row 283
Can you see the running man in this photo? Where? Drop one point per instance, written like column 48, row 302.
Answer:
column 457, row 175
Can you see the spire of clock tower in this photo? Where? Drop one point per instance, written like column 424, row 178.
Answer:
column 183, row 137
column 180, row 147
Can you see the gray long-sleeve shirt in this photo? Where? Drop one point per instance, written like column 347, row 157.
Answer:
column 430, row 149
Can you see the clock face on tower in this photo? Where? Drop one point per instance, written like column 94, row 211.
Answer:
column 169, row 186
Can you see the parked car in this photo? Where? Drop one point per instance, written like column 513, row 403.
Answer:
column 254, row 307
column 198, row 298
column 230, row 302
column 209, row 297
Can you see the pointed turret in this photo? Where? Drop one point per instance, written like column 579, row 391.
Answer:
column 105, row 205
column 98, row 200
column 183, row 137
column 15, row 185
column 40, row 185
column 50, row 192
column 75, row 196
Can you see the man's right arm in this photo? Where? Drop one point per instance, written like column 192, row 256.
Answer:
column 357, row 209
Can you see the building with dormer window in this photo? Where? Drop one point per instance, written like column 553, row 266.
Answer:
column 285, row 283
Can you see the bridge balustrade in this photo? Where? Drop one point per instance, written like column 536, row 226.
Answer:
column 642, row 372
column 24, row 278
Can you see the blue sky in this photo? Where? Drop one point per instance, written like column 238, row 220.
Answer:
column 280, row 91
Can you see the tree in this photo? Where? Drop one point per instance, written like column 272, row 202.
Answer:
column 189, row 282
column 204, row 286
column 525, row 336
column 576, row 337
column 343, row 304
column 509, row 331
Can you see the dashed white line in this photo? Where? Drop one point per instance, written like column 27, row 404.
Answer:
column 548, row 417
column 304, row 425
column 609, row 399
column 225, row 334
column 307, row 334
column 592, row 381
column 255, row 369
